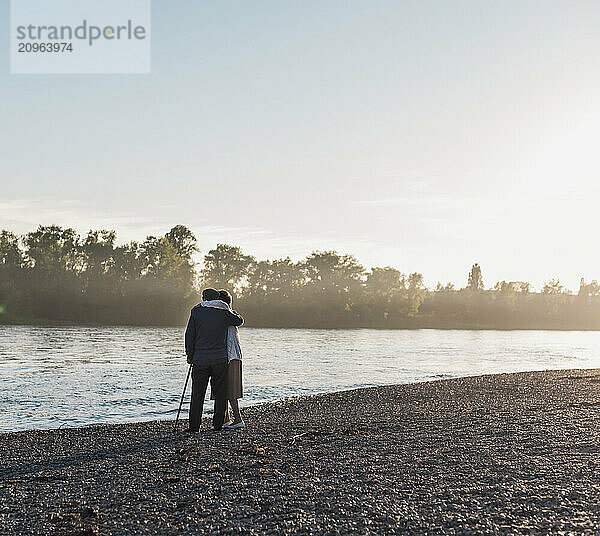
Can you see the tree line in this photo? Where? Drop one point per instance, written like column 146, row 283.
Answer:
column 53, row 274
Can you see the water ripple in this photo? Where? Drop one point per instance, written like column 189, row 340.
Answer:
column 77, row 376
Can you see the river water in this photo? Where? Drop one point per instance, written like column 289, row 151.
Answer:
column 74, row 376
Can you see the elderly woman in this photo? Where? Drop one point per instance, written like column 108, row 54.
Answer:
column 234, row 373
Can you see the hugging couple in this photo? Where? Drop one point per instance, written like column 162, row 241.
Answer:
column 212, row 346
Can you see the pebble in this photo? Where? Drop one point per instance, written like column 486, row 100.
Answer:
column 509, row 454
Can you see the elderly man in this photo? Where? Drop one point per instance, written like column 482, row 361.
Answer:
column 206, row 348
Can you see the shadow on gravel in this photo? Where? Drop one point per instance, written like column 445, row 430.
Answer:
column 141, row 447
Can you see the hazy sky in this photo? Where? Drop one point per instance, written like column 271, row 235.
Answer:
column 423, row 135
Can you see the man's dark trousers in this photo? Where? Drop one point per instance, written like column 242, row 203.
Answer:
column 218, row 383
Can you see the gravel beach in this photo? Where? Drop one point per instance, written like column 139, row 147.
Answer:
column 501, row 454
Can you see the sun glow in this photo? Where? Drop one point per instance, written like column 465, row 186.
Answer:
column 572, row 161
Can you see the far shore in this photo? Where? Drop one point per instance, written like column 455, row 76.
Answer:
column 40, row 322
column 498, row 454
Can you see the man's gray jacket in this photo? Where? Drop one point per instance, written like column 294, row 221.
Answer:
column 206, row 334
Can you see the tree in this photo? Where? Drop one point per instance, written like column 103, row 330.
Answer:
column 385, row 290
column 448, row 287
column 384, row 283
column 332, row 275
column 53, row 250
column 475, row 281
column 169, row 257
column 510, row 287
column 523, row 287
column 128, row 263
column 11, row 257
column 591, row 289
column 554, row 287
column 53, row 273
column 97, row 249
column 55, row 258
column 416, row 293
column 183, row 241
column 12, row 282
column 226, row 267
column 279, row 278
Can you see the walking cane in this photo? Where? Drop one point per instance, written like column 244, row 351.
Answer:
column 182, row 395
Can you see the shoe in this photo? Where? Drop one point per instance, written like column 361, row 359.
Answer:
column 191, row 432
column 240, row 424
